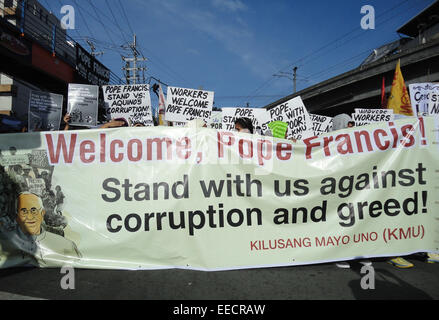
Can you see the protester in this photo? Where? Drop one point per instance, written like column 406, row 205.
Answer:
column 113, row 123
column 66, row 120
column 244, row 125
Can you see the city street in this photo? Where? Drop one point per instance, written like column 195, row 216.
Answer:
column 314, row 282
column 227, row 135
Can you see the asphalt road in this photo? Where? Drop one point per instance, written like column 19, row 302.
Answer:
column 312, row 282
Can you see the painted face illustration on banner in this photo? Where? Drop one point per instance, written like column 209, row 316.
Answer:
column 30, row 213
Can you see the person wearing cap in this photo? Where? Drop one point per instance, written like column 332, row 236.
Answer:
column 113, row 123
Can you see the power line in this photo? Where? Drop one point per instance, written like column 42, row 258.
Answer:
column 156, row 61
column 82, row 16
column 115, row 21
column 342, row 64
column 100, row 21
column 126, row 18
column 356, row 29
column 357, row 36
column 271, row 79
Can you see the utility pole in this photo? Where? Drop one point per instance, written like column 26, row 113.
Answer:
column 288, row 75
column 131, row 68
column 294, row 78
column 93, row 49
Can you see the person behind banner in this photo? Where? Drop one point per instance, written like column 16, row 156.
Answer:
column 113, row 123
column 244, row 125
column 31, row 238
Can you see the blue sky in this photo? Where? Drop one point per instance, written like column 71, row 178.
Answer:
column 233, row 47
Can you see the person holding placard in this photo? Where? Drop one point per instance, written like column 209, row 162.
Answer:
column 114, row 123
column 244, row 125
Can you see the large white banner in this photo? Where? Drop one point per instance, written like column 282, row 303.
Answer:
column 257, row 115
column 130, row 102
column 425, row 97
column 215, row 121
column 321, row 124
column 203, row 199
column 363, row 117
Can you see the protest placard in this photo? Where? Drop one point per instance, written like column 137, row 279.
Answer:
column 131, row 102
column 36, row 186
column 425, row 97
column 215, row 121
column 45, row 111
column 300, row 125
column 262, row 117
column 231, row 114
column 296, row 115
column 321, row 124
column 363, row 117
column 278, row 113
column 183, row 105
column 265, row 117
column 83, row 104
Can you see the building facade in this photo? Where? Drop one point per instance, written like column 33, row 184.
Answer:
column 37, row 54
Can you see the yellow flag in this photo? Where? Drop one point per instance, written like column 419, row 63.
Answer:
column 399, row 99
